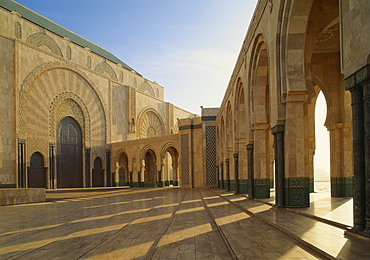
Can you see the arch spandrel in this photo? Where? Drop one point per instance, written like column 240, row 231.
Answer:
column 149, row 119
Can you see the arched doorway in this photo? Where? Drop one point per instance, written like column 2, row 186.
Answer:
column 169, row 173
column 98, row 173
column 123, row 178
column 69, row 154
column 36, row 172
column 150, row 174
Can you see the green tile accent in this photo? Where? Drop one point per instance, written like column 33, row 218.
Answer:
column 297, row 192
column 167, row 183
column 149, row 184
column 135, row 184
column 341, row 186
column 271, row 183
column 243, row 186
column 262, row 188
column 312, row 185
column 7, row 186
column 232, row 185
column 175, row 183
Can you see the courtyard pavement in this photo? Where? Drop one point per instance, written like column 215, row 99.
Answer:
column 172, row 223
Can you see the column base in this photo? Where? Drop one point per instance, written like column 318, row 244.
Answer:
column 341, row 186
column 262, row 188
column 312, row 185
column 243, row 186
column 297, row 192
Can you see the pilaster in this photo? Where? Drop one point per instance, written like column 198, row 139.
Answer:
column 359, row 187
column 250, row 171
column 236, row 172
column 278, row 132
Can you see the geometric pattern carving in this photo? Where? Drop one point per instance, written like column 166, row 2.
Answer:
column 18, row 30
column 297, row 192
column 89, row 62
column 69, row 104
column 68, row 53
column 104, row 67
column 49, row 72
column 211, row 155
column 150, row 125
column 185, row 178
column 41, row 39
column 146, row 88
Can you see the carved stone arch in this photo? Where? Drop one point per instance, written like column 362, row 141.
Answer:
column 36, row 73
column 150, row 124
column 294, row 18
column 240, row 112
column 229, row 126
column 41, row 39
column 104, row 67
column 144, row 150
column 146, row 88
column 259, row 83
column 69, row 104
column 171, row 148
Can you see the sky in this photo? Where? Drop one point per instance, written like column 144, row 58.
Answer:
column 189, row 47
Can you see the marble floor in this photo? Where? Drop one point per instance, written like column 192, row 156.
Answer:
column 167, row 223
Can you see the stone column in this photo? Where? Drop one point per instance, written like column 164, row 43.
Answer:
column 365, row 79
column 359, row 191
column 222, row 176
column 250, row 171
column 108, row 172
column 131, row 179
column 236, row 172
column 218, row 175
column 87, row 167
column 160, row 184
column 21, row 163
column 227, row 161
column 278, row 132
column 52, row 165
column 175, row 175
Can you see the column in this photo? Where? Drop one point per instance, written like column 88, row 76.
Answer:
column 228, row 173
column 250, row 171
column 160, row 184
column 87, row 167
column 366, row 94
column 175, row 175
column 359, row 192
column 278, row 132
column 109, row 176
column 218, row 175
column 236, row 172
column 52, row 166
column 21, row 163
column 222, row 176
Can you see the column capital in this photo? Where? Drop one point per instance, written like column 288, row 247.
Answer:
column 278, row 129
column 357, row 78
column 250, row 146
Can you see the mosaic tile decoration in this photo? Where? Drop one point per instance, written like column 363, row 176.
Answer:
column 41, row 39
column 103, row 68
column 262, row 188
column 211, row 167
column 341, row 186
column 185, row 178
column 18, row 30
column 297, row 192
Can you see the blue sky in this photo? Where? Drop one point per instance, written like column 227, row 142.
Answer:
column 188, row 46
